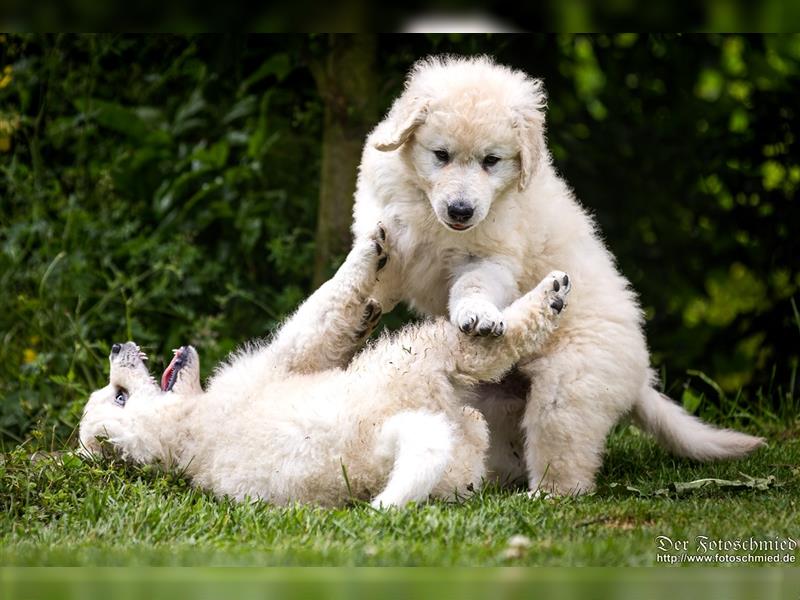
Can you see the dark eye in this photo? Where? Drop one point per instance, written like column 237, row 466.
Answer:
column 121, row 397
column 491, row 160
column 442, row 155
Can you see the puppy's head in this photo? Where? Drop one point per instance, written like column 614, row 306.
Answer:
column 116, row 417
column 470, row 130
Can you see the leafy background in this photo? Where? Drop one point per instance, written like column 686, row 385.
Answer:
column 165, row 189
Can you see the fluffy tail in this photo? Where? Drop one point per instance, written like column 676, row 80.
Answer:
column 688, row 436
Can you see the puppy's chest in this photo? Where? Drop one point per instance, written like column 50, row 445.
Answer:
column 430, row 269
column 428, row 275
column 426, row 282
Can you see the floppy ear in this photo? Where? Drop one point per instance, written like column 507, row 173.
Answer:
column 531, row 151
column 529, row 124
column 404, row 118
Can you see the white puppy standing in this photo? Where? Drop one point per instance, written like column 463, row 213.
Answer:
column 460, row 169
column 297, row 421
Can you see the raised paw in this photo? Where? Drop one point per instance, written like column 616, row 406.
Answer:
column 369, row 255
column 369, row 320
column 479, row 317
column 559, row 286
column 379, row 238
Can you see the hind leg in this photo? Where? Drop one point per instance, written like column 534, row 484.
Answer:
column 437, row 349
column 433, row 454
column 563, row 446
column 578, row 393
column 419, row 446
column 467, row 470
column 332, row 324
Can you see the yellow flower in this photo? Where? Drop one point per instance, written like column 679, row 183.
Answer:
column 7, row 76
column 7, row 127
column 28, row 356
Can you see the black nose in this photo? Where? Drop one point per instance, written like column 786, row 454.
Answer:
column 116, row 348
column 460, row 211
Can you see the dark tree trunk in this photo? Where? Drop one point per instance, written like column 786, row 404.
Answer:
column 346, row 81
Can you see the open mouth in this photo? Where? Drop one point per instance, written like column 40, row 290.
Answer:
column 170, row 376
column 459, row 226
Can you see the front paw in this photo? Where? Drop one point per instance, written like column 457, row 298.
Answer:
column 375, row 249
column 557, row 285
column 479, row 317
column 370, row 319
column 381, row 250
column 369, row 256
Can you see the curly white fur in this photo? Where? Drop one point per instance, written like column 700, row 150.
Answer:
column 460, row 169
column 292, row 421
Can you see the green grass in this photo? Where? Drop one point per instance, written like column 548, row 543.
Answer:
column 60, row 510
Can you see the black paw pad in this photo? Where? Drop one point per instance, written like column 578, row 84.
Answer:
column 372, row 314
column 382, row 262
column 565, row 279
column 556, row 285
column 468, row 326
column 369, row 312
column 381, row 232
column 486, row 329
column 373, row 310
column 557, row 304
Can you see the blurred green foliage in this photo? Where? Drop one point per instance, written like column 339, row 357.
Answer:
column 363, row 15
column 164, row 188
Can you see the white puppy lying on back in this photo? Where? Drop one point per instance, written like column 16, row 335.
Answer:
column 460, row 169
column 293, row 422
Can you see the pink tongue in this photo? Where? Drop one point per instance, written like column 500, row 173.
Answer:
column 168, row 372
